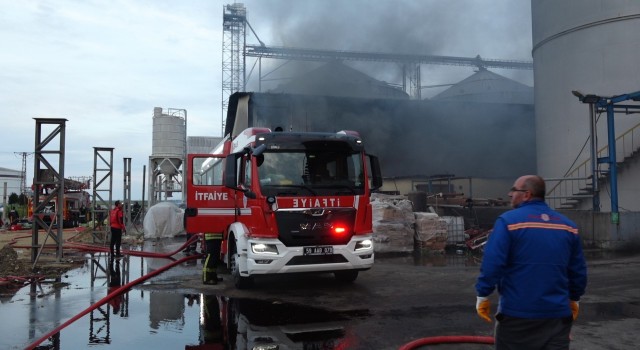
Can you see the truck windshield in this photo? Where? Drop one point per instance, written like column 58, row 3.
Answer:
column 305, row 172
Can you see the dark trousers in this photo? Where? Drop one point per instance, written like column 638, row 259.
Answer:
column 211, row 262
column 532, row 334
column 116, row 240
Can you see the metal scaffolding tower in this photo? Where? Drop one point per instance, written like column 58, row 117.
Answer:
column 234, row 23
column 48, row 185
column 126, row 196
column 102, row 193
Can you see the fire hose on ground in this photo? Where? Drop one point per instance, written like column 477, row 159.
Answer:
column 449, row 339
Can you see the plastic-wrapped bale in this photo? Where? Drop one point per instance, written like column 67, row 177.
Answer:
column 431, row 232
column 393, row 222
column 163, row 220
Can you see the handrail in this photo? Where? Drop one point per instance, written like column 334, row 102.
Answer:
column 577, row 180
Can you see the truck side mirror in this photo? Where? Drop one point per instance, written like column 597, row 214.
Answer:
column 231, row 171
column 376, row 175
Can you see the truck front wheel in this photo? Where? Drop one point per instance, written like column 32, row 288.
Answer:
column 239, row 281
column 346, row 276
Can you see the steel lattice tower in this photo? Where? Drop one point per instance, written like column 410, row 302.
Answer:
column 234, row 23
column 23, row 172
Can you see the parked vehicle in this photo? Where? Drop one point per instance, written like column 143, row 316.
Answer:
column 20, row 224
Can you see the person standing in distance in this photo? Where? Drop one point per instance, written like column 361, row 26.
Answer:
column 117, row 228
column 534, row 257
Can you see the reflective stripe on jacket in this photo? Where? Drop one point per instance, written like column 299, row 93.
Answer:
column 210, row 235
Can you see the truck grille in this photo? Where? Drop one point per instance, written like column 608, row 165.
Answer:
column 313, row 227
column 317, row 259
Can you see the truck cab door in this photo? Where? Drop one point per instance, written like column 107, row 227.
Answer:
column 210, row 205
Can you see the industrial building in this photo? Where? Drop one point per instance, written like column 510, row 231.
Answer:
column 584, row 60
column 12, row 178
column 486, row 132
column 9, row 183
column 589, row 47
column 585, row 56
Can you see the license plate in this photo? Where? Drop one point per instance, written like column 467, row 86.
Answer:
column 318, row 250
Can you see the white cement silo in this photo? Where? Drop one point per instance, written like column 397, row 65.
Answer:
column 168, row 152
column 591, row 46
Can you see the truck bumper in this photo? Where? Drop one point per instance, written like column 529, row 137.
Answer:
column 356, row 255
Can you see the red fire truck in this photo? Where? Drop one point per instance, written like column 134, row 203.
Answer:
column 73, row 210
column 76, row 200
column 286, row 202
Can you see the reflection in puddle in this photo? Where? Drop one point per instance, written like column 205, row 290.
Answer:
column 255, row 324
column 159, row 319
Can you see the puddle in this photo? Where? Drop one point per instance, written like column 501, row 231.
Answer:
column 144, row 318
column 158, row 319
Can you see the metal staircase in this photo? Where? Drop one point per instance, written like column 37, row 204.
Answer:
column 577, row 186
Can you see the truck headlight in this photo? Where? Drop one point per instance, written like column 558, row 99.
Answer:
column 261, row 248
column 366, row 244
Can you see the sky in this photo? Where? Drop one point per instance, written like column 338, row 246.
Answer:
column 104, row 65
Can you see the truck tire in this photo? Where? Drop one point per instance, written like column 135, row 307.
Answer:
column 239, row 281
column 346, row 276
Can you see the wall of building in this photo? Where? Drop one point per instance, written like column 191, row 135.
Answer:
column 598, row 232
column 590, row 46
column 477, row 188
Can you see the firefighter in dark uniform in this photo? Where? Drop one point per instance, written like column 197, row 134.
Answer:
column 212, row 243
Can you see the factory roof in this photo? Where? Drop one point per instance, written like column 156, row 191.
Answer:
column 488, row 87
column 338, row 79
column 7, row 171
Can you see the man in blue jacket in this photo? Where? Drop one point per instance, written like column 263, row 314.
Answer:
column 534, row 257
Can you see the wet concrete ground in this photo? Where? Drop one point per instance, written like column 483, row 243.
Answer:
column 402, row 298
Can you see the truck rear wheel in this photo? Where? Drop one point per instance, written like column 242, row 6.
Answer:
column 239, row 281
column 346, row 276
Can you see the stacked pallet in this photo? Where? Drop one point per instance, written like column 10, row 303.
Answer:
column 393, row 223
column 431, row 232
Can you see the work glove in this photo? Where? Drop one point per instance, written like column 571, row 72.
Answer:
column 575, row 307
column 483, row 307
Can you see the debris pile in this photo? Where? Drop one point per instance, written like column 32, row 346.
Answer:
column 10, row 265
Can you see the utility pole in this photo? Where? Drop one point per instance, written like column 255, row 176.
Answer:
column 23, row 173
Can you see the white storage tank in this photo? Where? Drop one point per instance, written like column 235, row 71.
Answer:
column 169, row 140
column 591, row 46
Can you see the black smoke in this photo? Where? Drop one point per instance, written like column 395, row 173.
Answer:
column 415, row 137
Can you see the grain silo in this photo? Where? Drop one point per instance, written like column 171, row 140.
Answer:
column 168, row 153
column 591, row 47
